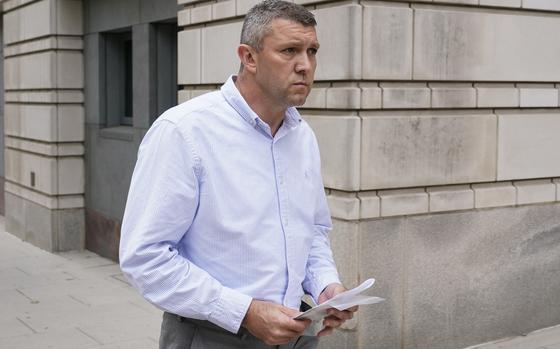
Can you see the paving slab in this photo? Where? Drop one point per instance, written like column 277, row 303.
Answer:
column 546, row 338
column 69, row 300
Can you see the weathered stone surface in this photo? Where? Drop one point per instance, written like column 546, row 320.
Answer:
column 407, row 149
column 188, row 57
column 381, row 252
column 494, row 194
column 535, row 191
column 339, row 31
column 32, row 171
column 28, row 22
column 403, row 202
column 344, row 243
column 405, row 95
column 551, row 5
column 556, row 181
column 219, row 57
column 70, row 123
column 31, row 121
column 469, row 275
column 71, row 175
column 317, row 98
column 446, row 95
column 223, row 9
column 451, row 198
column 344, row 205
column 537, row 95
column 52, row 230
column 454, row 44
column 527, row 144
column 243, row 6
column 497, row 95
column 370, row 204
column 339, row 141
column 371, row 96
column 102, row 234
column 201, row 13
column 343, row 96
column 184, row 17
column 501, row 3
column 387, row 41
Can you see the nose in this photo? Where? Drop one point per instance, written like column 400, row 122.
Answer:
column 304, row 63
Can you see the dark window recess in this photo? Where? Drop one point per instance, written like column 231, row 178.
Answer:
column 166, row 66
column 118, row 77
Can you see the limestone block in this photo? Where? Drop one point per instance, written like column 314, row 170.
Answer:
column 537, row 95
column 200, row 92
column 556, row 181
column 33, row 121
column 497, row 95
column 465, row 2
column 202, row 13
column 343, row 96
column 403, row 202
column 454, row 44
column 28, row 22
column 32, row 171
column 188, row 57
column 184, row 17
column 339, row 140
column 405, row 95
column 71, row 175
column 34, row 71
column 451, row 198
column 410, row 149
column 387, row 41
column 370, row 204
column 551, row 5
column 528, row 143
column 223, row 9
column 70, row 69
column 69, row 97
column 70, row 123
column 69, row 14
column 219, row 52
column 339, row 31
column 8, row 5
column 47, row 201
column 501, row 3
column 494, row 194
column 243, row 6
column 344, row 243
column 184, row 2
column 183, row 96
column 317, row 98
column 371, row 95
column 535, row 191
column 344, row 205
column 453, row 95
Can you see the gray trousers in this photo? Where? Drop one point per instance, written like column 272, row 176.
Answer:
column 183, row 333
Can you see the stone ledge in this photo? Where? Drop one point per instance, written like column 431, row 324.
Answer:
column 535, row 191
column 48, row 201
column 451, row 198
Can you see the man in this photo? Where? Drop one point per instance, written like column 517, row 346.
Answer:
column 226, row 221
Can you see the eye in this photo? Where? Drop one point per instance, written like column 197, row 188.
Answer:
column 289, row 50
column 312, row 51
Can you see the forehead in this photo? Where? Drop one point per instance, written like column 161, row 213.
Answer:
column 281, row 29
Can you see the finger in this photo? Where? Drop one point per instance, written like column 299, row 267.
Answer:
column 325, row 332
column 342, row 315
column 353, row 309
column 332, row 322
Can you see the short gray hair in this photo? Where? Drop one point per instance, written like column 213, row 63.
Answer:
column 257, row 22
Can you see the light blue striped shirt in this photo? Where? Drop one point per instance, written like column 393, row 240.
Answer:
column 220, row 212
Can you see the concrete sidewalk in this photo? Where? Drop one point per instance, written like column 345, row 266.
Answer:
column 79, row 300
column 71, row 300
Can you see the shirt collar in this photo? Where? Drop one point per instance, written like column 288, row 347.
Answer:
column 230, row 92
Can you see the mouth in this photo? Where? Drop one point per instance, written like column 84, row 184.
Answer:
column 301, row 83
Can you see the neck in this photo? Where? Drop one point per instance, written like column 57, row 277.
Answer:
column 265, row 109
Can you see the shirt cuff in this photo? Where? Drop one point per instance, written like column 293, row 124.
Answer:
column 230, row 309
column 318, row 284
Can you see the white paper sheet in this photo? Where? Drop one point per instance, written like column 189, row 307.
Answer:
column 341, row 301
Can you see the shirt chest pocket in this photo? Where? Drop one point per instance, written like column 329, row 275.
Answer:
column 303, row 195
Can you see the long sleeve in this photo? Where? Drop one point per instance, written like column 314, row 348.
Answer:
column 161, row 205
column 321, row 269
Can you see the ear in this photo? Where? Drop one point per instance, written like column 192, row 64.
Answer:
column 247, row 57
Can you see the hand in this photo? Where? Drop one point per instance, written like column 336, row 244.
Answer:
column 273, row 323
column 336, row 317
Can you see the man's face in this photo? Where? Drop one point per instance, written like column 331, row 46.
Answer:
column 286, row 63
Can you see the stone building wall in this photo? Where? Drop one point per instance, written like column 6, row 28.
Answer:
column 44, row 122
column 438, row 123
